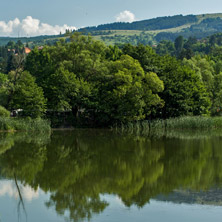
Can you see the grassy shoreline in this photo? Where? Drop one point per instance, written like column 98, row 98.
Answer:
column 179, row 123
column 8, row 124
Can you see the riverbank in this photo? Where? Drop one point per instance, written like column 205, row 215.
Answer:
column 9, row 124
column 179, row 123
column 146, row 126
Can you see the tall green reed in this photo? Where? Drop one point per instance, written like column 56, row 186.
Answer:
column 24, row 124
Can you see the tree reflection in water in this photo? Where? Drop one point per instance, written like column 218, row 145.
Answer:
column 77, row 167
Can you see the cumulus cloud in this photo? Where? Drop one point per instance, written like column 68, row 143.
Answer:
column 125, row 16
column 30, row 27
column 8, row 188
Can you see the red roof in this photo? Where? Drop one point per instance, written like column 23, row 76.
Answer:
column 27, row 50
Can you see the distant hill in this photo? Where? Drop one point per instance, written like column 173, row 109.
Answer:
column 38, row 40
column 146, row 25
column 150, row 31
column 203, row 28
column 154, row 30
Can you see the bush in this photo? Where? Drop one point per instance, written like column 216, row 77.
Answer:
column 4, row 112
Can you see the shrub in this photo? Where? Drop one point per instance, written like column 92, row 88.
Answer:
column 4, row 112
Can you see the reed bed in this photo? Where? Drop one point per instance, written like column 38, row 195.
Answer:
column 24, row 124
column 194, row 122
column 179, row 123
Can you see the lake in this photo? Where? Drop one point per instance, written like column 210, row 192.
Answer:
column 105, row 176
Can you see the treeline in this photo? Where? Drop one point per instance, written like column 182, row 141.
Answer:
column 10, row 55
column 200, row 27
column 202, row 30
column 142, row 38
column 187, row 48
column 102, row 85
column 37, row 40
column 13, row 53
column 150, row 24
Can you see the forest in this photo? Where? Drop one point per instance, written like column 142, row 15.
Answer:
column 91, row 84
column 149, row 24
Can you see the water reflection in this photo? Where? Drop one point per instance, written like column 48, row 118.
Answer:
column 9, row 188
column 77, row 167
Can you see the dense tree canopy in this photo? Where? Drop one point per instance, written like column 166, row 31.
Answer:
column 87, row 75
column 184, row 92
column 102, row 85
column 19, row 91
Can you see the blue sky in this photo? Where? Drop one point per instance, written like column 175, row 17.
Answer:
column 80, row 13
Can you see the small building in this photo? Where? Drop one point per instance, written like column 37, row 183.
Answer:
column 27, row 50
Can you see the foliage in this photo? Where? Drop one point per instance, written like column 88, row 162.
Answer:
column 178, row 43
column 165, row 47
column 142, row 38
column 87, row 75
column 24, row 124
column 184, row 93
column 3, row 89
column 151, row 24
column 23, row 93
column 128, row 93
column 202, row 29
column 4, row 112
column 101, row 85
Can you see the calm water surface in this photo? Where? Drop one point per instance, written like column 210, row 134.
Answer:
column 102, row 176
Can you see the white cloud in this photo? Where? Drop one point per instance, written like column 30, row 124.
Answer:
column 125, row 16
column 8, row 27
column 30, row 27
column 8, row 188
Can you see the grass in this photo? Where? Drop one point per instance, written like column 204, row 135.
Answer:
column 121, row 35
column 214, row 15
column 195, row 122
column 179, row 123
column 24, row 124
column 152, row 33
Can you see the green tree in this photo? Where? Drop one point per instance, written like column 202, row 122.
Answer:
column 165, row 47
column 184, row 92
column 87, row 75
column 4, row 112
column 127, row 92
column 67, row 91
column 203, row 68
column 179, row 43
column 217, row 95
column 3, row 89
column 23, row 93
column 113, row 53
column 64, row 70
